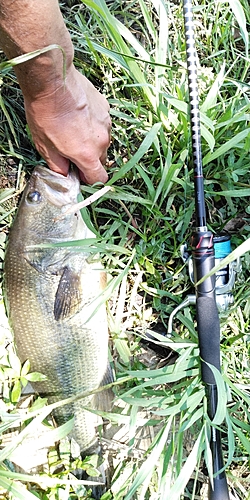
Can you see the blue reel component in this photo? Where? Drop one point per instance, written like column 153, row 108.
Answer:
column 222, row 246
column 225, row 277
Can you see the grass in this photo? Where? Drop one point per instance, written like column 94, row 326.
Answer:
column 135, row 53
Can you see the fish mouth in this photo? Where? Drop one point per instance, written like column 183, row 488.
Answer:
column 60, row 190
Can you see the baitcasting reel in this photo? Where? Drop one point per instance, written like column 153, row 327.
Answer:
column 224, row 279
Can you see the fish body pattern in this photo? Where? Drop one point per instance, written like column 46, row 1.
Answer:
column 49, row 299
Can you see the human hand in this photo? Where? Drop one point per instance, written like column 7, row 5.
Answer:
column 71, row 123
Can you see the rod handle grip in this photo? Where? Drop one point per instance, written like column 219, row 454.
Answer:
column 220, row 491
column 208, row 325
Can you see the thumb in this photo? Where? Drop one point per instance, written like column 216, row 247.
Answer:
column 93, row 173
column 56, row 162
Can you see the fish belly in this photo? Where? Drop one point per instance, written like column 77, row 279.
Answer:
column 71, row 352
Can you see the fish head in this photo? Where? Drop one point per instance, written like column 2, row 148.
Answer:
column 43, row 204
column 48, row 186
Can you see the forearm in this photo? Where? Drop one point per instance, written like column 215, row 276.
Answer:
column 67, row 117
column 28, row 25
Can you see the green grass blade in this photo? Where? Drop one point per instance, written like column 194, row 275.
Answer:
column 239, row 14
column 144, row 147
column 147, row 180
column 39, row 479
column 26, row 57
column 118, row 32
column 244, row 439
column 161, row 47
column 146, row 469
column 221, row 409
column 212, row 95
column 8, row 118
column 208, row 453
column 235, row 142
column 188, row 468
column 18, row 491
column 233, row 193
column 168, row 172
column 148, row 21
column 230, row 441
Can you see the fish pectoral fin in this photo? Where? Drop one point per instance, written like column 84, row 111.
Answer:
column 68, row 295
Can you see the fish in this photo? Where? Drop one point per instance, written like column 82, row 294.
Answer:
column 50, row 297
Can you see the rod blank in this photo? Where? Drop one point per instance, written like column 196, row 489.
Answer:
column 200, row 211
column 208, row 323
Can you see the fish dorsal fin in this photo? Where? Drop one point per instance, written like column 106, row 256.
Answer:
column 68, row 295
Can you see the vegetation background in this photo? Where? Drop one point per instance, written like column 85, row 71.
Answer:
column 134, row 52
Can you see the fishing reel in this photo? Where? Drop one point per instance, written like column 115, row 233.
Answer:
column 224, row 278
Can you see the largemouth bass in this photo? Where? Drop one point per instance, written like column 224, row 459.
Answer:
column 49, row 296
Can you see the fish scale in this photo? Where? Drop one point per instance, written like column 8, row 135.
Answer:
column 49, row 298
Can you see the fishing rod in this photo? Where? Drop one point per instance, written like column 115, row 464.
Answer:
column 203, row 260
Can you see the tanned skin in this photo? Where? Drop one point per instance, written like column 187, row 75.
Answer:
column 68, row 118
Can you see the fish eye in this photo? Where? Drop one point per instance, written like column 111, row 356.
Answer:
column 34, row 197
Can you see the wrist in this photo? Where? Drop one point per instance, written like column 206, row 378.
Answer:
column 27, row 26
column 46, row 73
column 59, row 96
